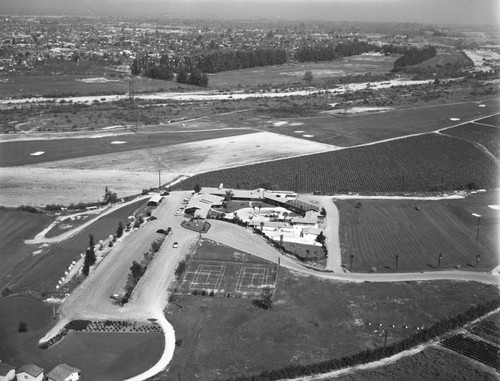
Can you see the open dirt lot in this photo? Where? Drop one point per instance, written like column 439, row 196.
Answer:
column 129, row 172
column 381, row 229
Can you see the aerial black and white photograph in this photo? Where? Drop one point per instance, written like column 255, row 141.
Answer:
column 250, row 190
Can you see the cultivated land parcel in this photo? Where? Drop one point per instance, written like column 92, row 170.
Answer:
column 397, row 266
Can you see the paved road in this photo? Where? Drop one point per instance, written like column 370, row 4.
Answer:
column 91, row 300
column 332, row 242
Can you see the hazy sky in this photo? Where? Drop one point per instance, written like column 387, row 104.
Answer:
column 427, row 11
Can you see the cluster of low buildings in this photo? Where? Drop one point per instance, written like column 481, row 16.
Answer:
column 32, row 372
column 289, row 220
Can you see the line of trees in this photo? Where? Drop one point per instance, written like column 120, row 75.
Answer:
column 370, row 355
column 414, row 56
column 328, row 52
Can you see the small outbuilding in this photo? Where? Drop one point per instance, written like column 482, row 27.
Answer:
column 29, row 372
column 64, row 372
column 155, row 200
column 7, row 372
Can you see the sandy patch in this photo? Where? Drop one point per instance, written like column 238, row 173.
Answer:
column 36, row 252
column 37, row 153
column 278, row 124
column 97, row 80
column 454, row 119
column 296, row 124
column 308, row 136
column 118, row 142
column 496, row 207
column 299, row 131
column 482, row 105
column 359, row 110
column 84, row 178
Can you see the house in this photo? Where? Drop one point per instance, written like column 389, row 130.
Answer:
column 7, row 372
column 29, row 372
column 64, row 372
column 200, row 204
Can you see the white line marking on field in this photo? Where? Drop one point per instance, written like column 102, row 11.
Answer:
column 37, row 153
column 482, row 105
column 118, row 142
column 247, row 275
column 308, row 136
column 207, row 271
column 299, row 132
column 454, row 119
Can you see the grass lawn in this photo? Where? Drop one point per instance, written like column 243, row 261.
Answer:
column 307, row 252
column 380, row 229
column 346, row 131
column 293, row 73
column 18, row 153
column 100, row 356
column 311, row 320
column 82, row 85
column 199, row 226
column 17, row 226
column 434, row 363
column 41, row 272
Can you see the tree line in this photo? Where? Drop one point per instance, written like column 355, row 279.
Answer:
column 414, row 56
column 375, row 354
column 193, row 68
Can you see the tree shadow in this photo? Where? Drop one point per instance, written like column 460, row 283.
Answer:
column 470, row 265
column 388, row 267
column 431, row 266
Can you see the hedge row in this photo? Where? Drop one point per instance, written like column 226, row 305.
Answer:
column 371, row 355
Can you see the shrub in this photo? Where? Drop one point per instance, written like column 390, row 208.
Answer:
column 23, row 327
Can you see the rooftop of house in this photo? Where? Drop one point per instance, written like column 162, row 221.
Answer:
column 31, row 369
column 5, row 368
column 61, row 372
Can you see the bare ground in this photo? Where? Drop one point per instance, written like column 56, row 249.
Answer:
column 83, row 179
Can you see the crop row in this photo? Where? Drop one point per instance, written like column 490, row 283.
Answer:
column 477, row 350
column 489, row 137
column 422, row 163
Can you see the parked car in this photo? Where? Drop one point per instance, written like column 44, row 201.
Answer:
column 175, row 245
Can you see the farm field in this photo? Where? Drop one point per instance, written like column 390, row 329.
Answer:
column 81, row 85
column 311, row 320
column 17, row 226
column 100, row 356
column 431, row 364
column 488, row 329
column 349, row 130
column 381, row 229
column 475, row 349
column 293, row 73
column 485, row 135
column 223, row 271
column 17, row 153
column 41, row 272
column 422, row 163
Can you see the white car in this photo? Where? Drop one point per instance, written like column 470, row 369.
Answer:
column 175, row 245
